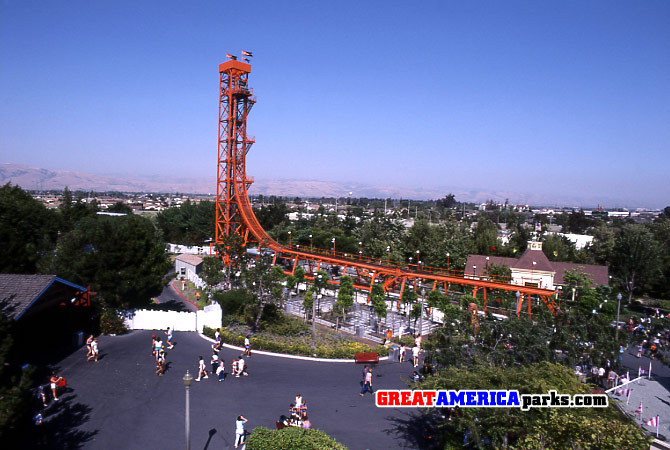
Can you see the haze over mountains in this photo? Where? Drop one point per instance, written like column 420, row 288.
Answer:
column 34, row 178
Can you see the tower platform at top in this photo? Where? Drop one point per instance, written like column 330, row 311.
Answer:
column 232, row 64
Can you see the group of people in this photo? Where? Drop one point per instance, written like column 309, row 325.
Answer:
column 158, row 351
column 92, row 349
column 297, row 414
column 416, row 352
column 218, row 367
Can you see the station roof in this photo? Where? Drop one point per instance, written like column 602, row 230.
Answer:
column 20, row 292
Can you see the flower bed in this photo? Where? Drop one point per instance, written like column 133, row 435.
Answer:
column 332, row 346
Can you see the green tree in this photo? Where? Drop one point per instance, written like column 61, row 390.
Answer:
column 495, row 428
column 120, row 257
column 558, row 248
column 264, row 281
column 15, row 383
column 212, row 271
column 486, row 236
column 308, row 301
column 635, row 258
column 28, row 231
column 408, row 298
column 377, row 301
column 345, row 296
column 601, row 249
column 188, row 224
column 299, row 275
column 120, row 207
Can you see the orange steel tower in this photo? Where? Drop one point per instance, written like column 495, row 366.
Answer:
column 235, row 103
column 234, row 216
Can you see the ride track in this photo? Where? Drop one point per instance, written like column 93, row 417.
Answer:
column 234, row 215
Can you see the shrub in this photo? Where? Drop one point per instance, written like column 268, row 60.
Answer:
column 338, row 348
column 112, row 323
column 291, row 438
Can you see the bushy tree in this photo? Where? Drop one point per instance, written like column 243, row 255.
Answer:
column 635, row 259
column 28, row 231
column 188, row 224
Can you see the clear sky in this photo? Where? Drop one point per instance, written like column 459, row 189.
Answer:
column 566, row 98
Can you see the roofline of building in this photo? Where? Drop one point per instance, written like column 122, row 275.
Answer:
column 65, row 282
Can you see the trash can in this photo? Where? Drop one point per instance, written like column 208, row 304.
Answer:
column 78, row 339
column 359, row 332
column 394, row 353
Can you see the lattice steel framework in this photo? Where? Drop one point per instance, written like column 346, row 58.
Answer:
column 234, row 214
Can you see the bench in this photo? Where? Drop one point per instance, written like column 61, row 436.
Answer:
column 366, row 357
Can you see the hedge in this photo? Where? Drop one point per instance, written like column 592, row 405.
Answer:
column 344, row 349
column 291, row 438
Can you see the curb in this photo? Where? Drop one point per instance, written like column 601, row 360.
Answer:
column 179, row 294
column 283, row 355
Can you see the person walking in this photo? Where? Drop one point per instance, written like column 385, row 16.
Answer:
column 160, row 363
column 88, row 346
column 403, row 352
column 239, row 430
column 415, row 355
column 367, row 385
column 221, row 370
column 214, row 362
column 168, row 333
column 201, row 369
column 247, row 346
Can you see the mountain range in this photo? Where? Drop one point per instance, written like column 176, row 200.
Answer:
column 35, row 178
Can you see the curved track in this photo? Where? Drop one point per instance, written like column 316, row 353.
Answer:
column 234, row 214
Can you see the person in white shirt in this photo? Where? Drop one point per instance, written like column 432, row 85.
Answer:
column 241, row 367
column 201, row 369
column 221, row 371
column 247, row 346
column 415, row 355
column 239, row 430
column 214, row 362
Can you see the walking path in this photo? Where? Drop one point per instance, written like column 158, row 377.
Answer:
column 123, row 404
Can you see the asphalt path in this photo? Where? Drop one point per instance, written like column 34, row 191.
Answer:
column 120, row 403
column 170, row 299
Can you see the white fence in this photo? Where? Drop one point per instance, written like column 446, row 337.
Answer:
column 195, row 279
column 189, row 250
column 144, row 319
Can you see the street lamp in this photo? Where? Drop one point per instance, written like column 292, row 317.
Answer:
column 333, row 241
column 487, row 267
column 423, row 298
column 618, row 307
column 310, row 242
column 474, row 271
column 388, row 254
column 418, row 257
column 448, row 262
column 360, row 249
column 289, row 239
column 188, row 380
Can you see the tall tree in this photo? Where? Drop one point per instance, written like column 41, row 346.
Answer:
column 635, row 257
column 28, row 230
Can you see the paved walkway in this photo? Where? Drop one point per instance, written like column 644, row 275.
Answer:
column 654, row 394
column 120, row 403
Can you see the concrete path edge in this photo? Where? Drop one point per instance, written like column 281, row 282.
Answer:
column 283, row 355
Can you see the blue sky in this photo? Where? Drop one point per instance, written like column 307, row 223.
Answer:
column 565, row 98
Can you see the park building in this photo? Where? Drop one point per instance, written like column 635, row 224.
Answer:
column 534, row 269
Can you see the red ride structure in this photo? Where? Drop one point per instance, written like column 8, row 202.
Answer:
column 235, row 216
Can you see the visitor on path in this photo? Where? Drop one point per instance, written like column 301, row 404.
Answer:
column 403, row 352
column 640, row 348
column 242, row 366
column 94, row 351
column 168, row 333
column 247, row 346
column 55, row 380
column 367, row 385
column 160, row 363
column 364, row 373
column 88, row 346
column 41, row 395
column 158, row 346
column 239, row 430
column 305, row 422
column 415, row 355
column 221, row 370
column 214, row 362
column 201, row 369
column 153, row 345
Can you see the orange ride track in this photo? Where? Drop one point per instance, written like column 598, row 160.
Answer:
column 234, row 215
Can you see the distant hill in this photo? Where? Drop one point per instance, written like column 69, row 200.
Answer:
column 34, row 178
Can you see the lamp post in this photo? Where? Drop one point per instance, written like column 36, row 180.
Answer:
column 360, row 249
column 418, row 258
column 310, row 242
column 423, row 298
column 474, row 271
column 289, row 239
column 388, row 254
column 487, row 267
column 618, row 307
column 333, row 241
column 448, row 262
column 188, row 380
